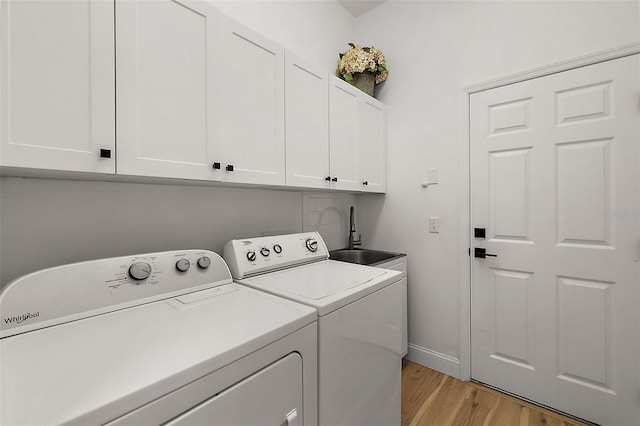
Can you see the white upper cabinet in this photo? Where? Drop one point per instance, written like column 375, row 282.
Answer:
column 57, row 85
column 357, row 138
column 344, row 133
column 165, row 70
column 307, row 124
column 372, row 145
column 334, row 132
column 248, row 112
column 199, row 96
column 192, row 95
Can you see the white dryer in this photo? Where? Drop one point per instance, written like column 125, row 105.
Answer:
column 162, row 338
column 359, row 321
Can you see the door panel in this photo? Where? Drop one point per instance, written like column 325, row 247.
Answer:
column 555, row 180
column 584, row 343
column 510, row 117
column 172, row 103
column 249, row 112
column 372, row 146
column 57, row 90
column 512, row 321
column 580, row 218
column 307, row 124
column 343, row 135
column 164, row 67
column 510, row 194
column 583, row 103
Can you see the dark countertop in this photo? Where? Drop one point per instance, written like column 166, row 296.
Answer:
column 363, row 256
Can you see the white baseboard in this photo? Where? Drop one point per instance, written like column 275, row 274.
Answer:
column 434, row 360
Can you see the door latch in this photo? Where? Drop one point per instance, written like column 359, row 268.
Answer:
column 479, row 233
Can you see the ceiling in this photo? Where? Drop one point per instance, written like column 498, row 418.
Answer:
column 358, row 7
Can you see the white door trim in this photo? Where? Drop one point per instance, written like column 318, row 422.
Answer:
column 581, row 61
column 464, row 167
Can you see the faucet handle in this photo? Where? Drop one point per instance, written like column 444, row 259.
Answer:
column 358, row 242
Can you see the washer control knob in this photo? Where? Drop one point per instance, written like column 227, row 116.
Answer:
column 204, row 262
column 265, row 251
column 251, row 255
column 183, row 265
column 140, row 271
column 277, row 248
column 312, row 244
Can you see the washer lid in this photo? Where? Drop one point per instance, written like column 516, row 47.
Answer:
column 319, row 280
column 325, row 285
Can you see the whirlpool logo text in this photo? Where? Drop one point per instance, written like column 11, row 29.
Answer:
column 21, row 318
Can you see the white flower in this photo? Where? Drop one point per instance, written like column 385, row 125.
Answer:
column 359, row 59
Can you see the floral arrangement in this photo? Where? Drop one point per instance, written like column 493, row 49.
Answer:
column 359, row 59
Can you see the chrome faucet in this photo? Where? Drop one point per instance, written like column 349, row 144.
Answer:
column 352, row 230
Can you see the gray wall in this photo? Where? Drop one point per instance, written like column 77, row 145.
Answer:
column 46, row 222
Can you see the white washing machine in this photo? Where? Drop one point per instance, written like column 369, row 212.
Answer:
column 359, row 321
column 162, row 338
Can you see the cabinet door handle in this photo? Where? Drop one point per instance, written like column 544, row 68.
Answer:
column 216, row 165
column 105, row 153
column 229, row 168
column 335, row 179
column 328, row 178
column 365, row 182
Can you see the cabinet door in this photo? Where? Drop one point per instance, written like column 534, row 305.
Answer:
column 57, row 85
column 249, row 110
column 164, row 67
column 372, row 145
column 307, row 124
column 343, row 134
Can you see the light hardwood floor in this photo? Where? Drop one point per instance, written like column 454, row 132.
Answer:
column 432, row 398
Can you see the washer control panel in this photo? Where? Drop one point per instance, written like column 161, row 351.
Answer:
column 253, row 256
column 79, row 290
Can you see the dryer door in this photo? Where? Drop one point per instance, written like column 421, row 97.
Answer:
column 272, row 396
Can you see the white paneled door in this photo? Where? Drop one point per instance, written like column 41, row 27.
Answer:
column 555, row 182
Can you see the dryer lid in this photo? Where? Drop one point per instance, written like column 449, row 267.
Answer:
column 97, row 369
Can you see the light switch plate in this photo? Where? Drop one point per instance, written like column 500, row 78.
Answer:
column 432, row 176
column 434, row 224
